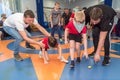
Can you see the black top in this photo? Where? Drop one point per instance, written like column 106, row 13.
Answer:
column 1, row 23
column 106, row 20
column 66, row 17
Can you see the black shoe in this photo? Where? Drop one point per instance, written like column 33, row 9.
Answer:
column 72, row 64
column 88, row 37
column 31, row 47
column 106, row 61
column 92, row 54
column 78, row 60
column 18, row 57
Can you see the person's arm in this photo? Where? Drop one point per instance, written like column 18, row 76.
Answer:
column 51, row 21
column 100, row 45
column 59, row 20
column 85, row 45
column 62, row 21
column 42, row 29
column 101, row 41
column 26, row 38
column 66, row 35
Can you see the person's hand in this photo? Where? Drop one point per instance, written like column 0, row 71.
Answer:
column 41, row 45
column 66, row 42
column 59, row 24
column 96, row 58
column 51, row 25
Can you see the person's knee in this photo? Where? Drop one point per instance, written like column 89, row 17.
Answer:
column 19, row 39
column 72, row 47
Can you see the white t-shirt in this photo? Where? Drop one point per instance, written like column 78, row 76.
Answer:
column 16, row 21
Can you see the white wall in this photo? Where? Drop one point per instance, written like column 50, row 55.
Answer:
column 28, row 4
column 116, row 4
column 83, row 3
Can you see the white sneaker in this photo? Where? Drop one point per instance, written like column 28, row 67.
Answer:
column 64, row 60
column 40, row 54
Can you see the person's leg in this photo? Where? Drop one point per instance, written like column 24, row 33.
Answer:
column 47, row 56
column 28, row 44
column 78, row 51
column 107, row 50
column 72, row 47
column 59, row 32
column 118, row 28
column 107, row 47
column 53, row 30
column 44, row 56
column 95, row 35
column 15, row 34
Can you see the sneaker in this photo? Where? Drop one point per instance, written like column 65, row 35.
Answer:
column 88, row 37
column 64, row 60
column 40, row 54
column 18, row 57
column 30, row 47
column 78, row 60
column 106, row 61
column 72, row 64
column 92, row 54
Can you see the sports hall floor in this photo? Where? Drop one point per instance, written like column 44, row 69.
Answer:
column 33, row 68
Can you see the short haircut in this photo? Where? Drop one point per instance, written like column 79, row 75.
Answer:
column 79, row 16
column 3, row 15
column 84, row 8
column 52, row 42
column 29, row 13
column 57, row 3
column 96, row 13
column 4, row 18
column 66, row 9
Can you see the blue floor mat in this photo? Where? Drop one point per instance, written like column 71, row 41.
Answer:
column 98, row 72
column 17, row 70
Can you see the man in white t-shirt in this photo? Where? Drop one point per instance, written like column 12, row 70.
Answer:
column 16, row 24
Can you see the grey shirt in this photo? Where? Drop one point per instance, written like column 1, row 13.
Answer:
column 56, row 15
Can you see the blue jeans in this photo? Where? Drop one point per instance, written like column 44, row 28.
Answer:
column 16, row 35
column 56, row 28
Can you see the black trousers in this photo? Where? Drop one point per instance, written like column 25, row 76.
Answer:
column 107, row 45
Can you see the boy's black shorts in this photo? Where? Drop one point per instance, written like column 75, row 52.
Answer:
column 75, row 37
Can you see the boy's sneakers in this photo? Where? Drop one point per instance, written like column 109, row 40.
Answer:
column 106, row 61
column 30, row 47
column 78, row 60
column 63, row 59
column 72, row 64
column 40, row 54
column 18, row 57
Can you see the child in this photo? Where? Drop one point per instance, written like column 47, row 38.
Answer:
column 50, row 42
column 76, row 29
column 55, row 20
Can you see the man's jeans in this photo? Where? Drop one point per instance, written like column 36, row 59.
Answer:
column 16, row 35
